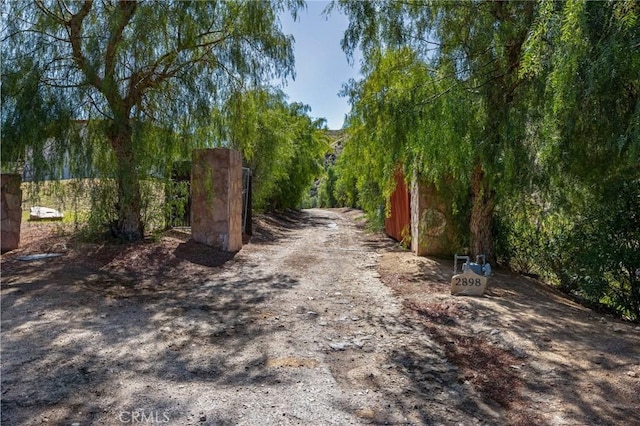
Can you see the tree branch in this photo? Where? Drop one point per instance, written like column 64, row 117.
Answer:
column 40, row 5
column 125, row 12
column 74, row 25
column 143, row 80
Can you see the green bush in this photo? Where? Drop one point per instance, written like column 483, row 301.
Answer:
column 326, row 192
column 599, row 256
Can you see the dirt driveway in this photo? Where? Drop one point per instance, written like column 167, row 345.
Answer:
column 313, row 322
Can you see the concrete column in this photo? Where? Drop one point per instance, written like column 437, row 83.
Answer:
column 216, row 197
column 11, row 211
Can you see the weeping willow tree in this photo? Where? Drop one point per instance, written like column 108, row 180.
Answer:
column 473, row 52
column 142, row 77
column 281, row 143
column 387, row 125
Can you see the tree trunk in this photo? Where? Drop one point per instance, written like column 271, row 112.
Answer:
column 129, row 205
column 483, row 199
column 130, row 224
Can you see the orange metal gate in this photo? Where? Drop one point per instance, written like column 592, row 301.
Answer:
column 398, row 224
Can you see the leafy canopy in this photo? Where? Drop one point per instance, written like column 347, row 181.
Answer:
column 144, row 75
column 282, row 145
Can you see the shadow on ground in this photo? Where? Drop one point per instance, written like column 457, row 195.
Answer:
column 523, row 349
column 82, row 333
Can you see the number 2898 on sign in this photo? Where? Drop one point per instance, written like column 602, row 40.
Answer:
column 463, row 281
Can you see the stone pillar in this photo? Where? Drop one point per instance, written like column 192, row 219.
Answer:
column 11, row 213
column 216, row 198
column 432, row 233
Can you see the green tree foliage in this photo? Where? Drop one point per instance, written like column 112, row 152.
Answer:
column 597, row 256
column 588, row 54
column 383, row 127
column 327, row 189
column 588, row 150
column 127, row 67
column 336, row 190
column 530, row 109
column 460, row 112
column 282, row 145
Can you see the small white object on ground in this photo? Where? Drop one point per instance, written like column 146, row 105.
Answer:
column 40, row 213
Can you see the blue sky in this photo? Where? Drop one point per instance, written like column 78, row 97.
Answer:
column 321, row 65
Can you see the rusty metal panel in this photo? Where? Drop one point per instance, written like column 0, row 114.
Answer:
column 398, row 224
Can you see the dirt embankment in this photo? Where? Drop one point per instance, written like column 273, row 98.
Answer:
column 314, row 321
